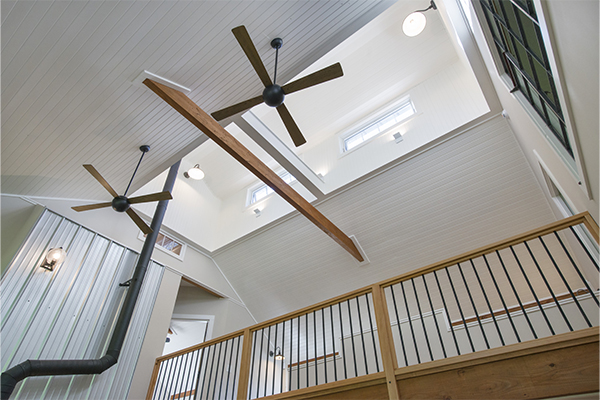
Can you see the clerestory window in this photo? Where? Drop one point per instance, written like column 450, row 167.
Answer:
column 258, row 193
column 518, row 39
column 399, row 114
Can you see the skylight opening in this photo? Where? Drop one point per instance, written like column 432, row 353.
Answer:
column 262, row 191
column 398, row 115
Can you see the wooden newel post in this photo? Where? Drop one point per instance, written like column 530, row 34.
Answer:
column 591, row 225
column 153, row 380
column 242, row 393
column 386, row 341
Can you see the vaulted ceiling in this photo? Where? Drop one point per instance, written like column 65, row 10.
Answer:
column 68, row 68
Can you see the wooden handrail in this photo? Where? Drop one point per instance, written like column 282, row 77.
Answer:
column 380, row 308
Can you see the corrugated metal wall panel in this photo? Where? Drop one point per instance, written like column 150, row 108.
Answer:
column 70, row 313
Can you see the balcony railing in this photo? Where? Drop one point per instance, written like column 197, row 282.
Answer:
column 538, row 284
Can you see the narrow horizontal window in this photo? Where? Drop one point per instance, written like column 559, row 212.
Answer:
column 380, row 125
column 262, row 191
column 168, row 244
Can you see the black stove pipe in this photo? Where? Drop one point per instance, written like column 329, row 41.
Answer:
column 14, row 375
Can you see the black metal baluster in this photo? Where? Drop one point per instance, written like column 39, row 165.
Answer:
column 563, row 278
column 235, row 369
column 298, row 366
column 210, row 376
column 254, row 341
column 315, row 346
column 372, row 332
column 324, row 344
column 473, row 304
column 492, row 314
column 447, row 312
column 412, row 331
column 224, row 366
column 333, row 342
column 502, row 299
column 164, row 366
column 181, row 377
column 574, row 264
column 228, row 370
column 267, row 361
column 352, row 337
column 171, row 373
column 291, row 354
column 168, row 380
column 398, row 323
column 274, row 359
column 422, row 319
column 362, row 336
column 306, row 346
column 343, row 346
column 594, row 261
column 208, row 351
column 437, row 327
column 199, row 373
column 462, row 316
column 282, row 352
column 177, row 362
column 535, row 336
column 260, row 357
column 191, row 371
column 537, row 300
column 217, row 368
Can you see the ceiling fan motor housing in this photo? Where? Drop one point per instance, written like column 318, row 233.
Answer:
column 120, row 204
column 273, row 95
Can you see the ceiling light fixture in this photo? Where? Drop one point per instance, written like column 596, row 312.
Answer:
column 54, row 258
column 416, row 21
column 277, row 354
column 194, row 173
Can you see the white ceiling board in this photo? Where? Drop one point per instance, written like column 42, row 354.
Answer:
column 421, row 211
column 68, row 67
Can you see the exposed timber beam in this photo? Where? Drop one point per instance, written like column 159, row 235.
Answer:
column 211, row 128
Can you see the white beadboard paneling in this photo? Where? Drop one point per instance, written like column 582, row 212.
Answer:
column 462, row 194
column 67, row 69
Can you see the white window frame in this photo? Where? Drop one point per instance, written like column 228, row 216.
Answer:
column 374, row 119
column 286, row 176
column 180, row 256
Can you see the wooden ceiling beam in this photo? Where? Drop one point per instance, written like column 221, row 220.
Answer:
column 211, row 128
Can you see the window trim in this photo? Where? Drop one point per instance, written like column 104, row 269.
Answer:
column 259, row 186
column 373, row 119
column 184, row 245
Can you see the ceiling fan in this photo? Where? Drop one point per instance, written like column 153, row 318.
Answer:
column 273, row 95
column 122, row 203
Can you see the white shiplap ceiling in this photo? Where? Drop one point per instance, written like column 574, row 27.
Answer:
column 68, row 67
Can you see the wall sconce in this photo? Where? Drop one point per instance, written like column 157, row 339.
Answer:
column 416, row 21
column 398, row 137
column 257, row 212
column 195, row 173
column 277, row 354
column 54, row 258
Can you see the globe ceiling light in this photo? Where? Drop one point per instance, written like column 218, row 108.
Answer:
column 416, row 21
column 194, row 173
column 54, row 258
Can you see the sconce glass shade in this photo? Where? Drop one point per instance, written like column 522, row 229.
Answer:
column 54, row 258
column 414, row 24
column 277, row 354
column 194, row 173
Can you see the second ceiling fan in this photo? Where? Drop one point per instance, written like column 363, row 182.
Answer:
column 273, row 95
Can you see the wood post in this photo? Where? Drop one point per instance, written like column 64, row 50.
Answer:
column 591, row 225
column 153, row 380
column 386, row 341
column 242, row 393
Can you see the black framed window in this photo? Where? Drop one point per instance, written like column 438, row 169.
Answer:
column 518, row 40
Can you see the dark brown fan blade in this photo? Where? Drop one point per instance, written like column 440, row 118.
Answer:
column 236, row 108
column 323, row 75
column 243, row 38
column 291, row 126
column 139, row 222
column 99, row 178
column 151, row 197
column 91, row 206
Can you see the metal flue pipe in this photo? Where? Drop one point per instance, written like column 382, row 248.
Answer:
column 14, row 375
